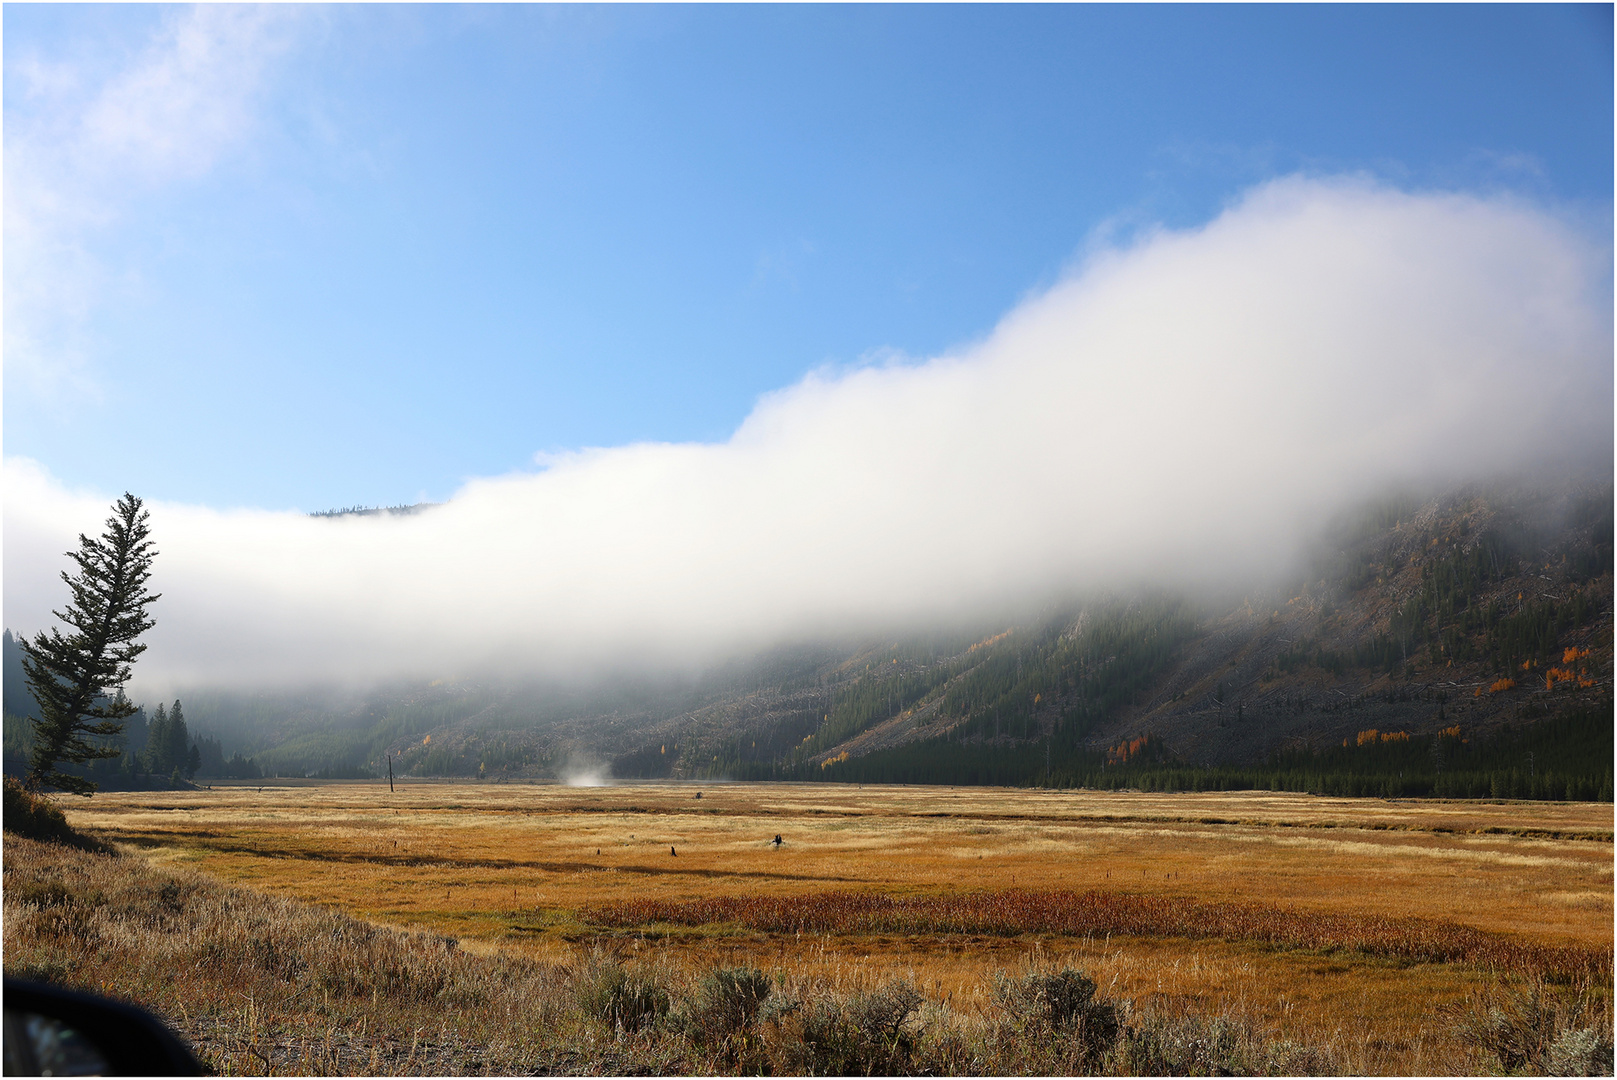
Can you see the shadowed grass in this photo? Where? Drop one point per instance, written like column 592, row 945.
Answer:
column 36, row 816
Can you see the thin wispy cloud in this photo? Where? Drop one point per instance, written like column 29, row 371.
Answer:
column 192, row 96
column 1182, row 409
column 84, row 146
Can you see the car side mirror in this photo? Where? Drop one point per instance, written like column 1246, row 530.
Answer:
column 52, row 1032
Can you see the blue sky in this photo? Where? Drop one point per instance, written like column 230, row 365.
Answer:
column 313, row 257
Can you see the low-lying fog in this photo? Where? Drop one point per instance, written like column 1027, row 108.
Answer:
column 1183, row 409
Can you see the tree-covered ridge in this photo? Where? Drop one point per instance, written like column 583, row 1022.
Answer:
column 1057, row 682
column 1475, row 610
column 1459, row 614
column 375, row 511
column 1043, row 683
column 1564, row 758
column 1466, row 614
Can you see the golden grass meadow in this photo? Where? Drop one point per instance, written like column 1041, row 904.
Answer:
column 1365, row 929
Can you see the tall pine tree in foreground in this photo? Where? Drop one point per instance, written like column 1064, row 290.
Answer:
column 78, row 677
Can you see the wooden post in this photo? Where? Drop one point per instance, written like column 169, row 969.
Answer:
column 390, row 772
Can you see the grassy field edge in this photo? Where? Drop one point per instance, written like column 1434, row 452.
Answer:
column 261, row 984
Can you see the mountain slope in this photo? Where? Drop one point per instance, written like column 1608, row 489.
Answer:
column 1475, row 610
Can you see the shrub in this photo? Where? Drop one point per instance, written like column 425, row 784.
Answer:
column 1052, row 1020
column 862, row 1034
column 1054, row 1001
column 1581, row 1052
column 1532, row 1027
column 620, row 997
column 727, row 1002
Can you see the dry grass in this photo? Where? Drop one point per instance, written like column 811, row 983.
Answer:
column 1012, row 912
column 260, row 984
column 463, row 859
column 1438, row 891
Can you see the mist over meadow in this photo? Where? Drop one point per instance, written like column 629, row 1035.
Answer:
column 1182, row 409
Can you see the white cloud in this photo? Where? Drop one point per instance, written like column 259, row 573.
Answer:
column 1186, row 407
column 83, row 146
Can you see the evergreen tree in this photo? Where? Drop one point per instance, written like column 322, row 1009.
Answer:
column 77, row 677
column 168, row 742
column 177, row 750
column 210, row 756
column 154, row 756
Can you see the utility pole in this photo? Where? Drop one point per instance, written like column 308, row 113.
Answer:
column 390, row 772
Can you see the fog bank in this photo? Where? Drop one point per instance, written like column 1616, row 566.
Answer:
column 1182, row 409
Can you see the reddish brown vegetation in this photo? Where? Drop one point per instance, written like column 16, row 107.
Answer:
column 1097, row 914
column 1129, row 748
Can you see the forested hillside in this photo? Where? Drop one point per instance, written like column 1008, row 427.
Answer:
column 1459, row 644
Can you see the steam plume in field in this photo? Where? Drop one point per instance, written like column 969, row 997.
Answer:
column 586, row 773
column 1185, row 406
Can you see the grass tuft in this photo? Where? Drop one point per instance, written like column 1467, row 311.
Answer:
column 1185, row 1044
column 622, row 997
